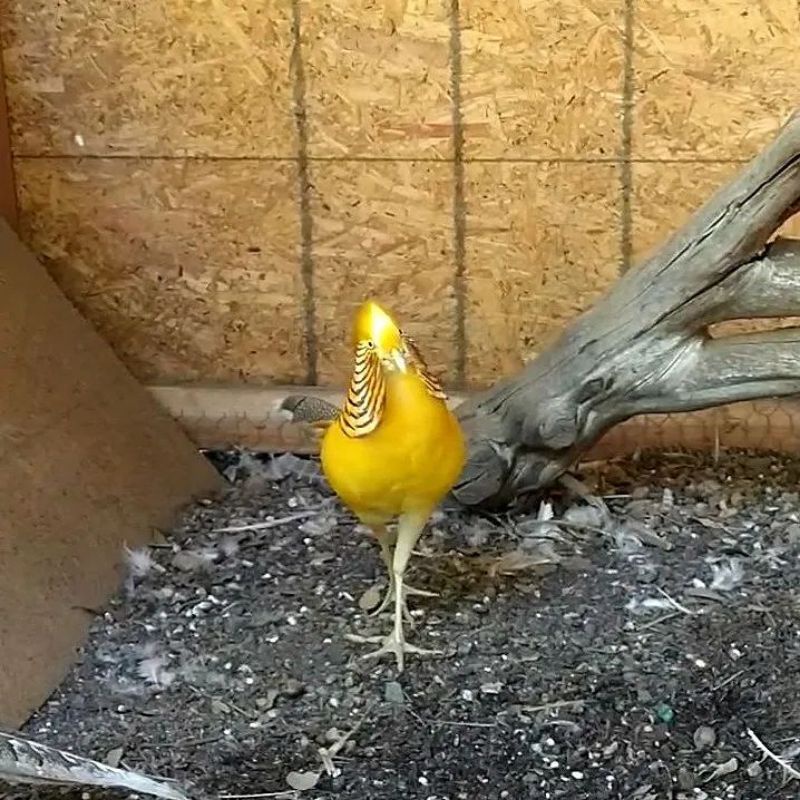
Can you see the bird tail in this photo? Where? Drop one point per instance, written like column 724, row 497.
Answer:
column 312, row 411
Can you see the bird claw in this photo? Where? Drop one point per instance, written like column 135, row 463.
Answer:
column 391, row 644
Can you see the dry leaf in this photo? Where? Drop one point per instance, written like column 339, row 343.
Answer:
column 114, row 757
column 302, row 781
column 370, row 599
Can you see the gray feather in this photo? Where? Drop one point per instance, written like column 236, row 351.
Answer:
column 24, row 761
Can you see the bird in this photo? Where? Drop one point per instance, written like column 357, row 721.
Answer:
column 393, row 452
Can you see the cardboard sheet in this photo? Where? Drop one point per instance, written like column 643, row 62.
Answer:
column 89, row 462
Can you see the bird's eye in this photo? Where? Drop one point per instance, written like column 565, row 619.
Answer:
column 370, row 344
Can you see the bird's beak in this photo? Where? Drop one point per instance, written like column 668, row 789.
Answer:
column 399, row 361
column 379, row 321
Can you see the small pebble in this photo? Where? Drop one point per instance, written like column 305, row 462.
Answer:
column 685, row 779
column 293, row 688
column 754, row 770
column 704, row 737
column 393, row 693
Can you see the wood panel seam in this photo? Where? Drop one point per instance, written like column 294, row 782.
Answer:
column 304, row 196
column 310, row 159
column 626, row 164
column 459, row 200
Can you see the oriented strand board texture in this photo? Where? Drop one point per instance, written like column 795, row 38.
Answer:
column 217, row 183
column 194, row 77
column 542, row 243
column 664, row 199
column 378, row 78
column 187, row 267
column 713, row 79
column 383, row 230
column 542, row 79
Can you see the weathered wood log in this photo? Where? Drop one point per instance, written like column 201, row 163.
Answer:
column 644, row 347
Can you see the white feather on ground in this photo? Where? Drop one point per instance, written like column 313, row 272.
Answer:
column 727, row 576
column 27, row 762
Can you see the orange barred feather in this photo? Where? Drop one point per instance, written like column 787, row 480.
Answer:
column 429, row 379
column 363, row 405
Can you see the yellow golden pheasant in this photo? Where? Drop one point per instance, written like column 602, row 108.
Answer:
column 393, row 452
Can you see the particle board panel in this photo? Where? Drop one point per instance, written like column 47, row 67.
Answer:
column 187, row 77
column 91, row 463
column 713, row 80
column 188, row 269
column 377, row 78
column 666, row 195
column 542, row 79
column 384, row 230
column 664, row 198
column 542, row 242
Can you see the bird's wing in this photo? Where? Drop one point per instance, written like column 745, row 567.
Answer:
column 24, row 761
column 430, row 380
column 313, row 411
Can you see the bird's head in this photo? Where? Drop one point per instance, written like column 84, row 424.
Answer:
column 375, row 326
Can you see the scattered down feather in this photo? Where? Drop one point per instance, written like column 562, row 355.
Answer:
column 24, row 761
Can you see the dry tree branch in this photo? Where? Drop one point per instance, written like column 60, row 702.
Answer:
column 645, row 346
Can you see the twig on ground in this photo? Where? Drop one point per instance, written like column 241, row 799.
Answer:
column 270, row 523
column 555, row 704
column 664, row 618
column 727, row 680
column 288, row 793
column 327, row 753
column 454, row 723
column 674, row 603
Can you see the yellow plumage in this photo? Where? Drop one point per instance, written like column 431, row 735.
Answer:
column 394, row 451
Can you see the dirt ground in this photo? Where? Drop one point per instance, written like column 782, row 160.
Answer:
column 639, row 644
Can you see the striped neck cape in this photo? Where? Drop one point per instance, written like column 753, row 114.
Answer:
column 366, row 395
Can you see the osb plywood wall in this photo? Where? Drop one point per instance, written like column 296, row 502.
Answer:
column 217, row 183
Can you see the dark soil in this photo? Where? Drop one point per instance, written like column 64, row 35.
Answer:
column 619, row 653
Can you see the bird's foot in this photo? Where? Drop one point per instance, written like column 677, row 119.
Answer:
column 393, row 643
column 389, row 597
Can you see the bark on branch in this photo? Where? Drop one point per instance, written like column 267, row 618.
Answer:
column 644, row 347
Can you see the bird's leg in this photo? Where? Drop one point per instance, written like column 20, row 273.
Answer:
column 387, row 542
column 409, row 529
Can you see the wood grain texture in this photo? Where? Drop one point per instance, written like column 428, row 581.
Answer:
column 188, row 269
column 383, row 230
column 542, row 80
column 666, row 195
column 377, row 77
column 542, row 244
column 185, row 77
column 711, row 77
